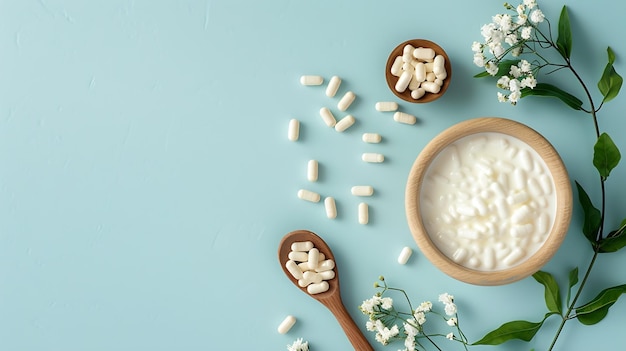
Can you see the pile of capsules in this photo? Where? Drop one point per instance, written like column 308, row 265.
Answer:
column 420, row 70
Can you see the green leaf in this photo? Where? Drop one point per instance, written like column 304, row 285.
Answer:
column 522, row 330
column 592, row 218
column 595, row 310
column 611, row 82
column 606, row 155
column 545, row 89
column 615, row 242
column 573, row 280
column 551, row 293
column 504, row 67
column 564, row 40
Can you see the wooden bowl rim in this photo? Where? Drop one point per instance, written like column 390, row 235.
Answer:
column 563, row 200
column 406, row 95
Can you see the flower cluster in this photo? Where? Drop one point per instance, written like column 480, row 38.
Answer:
column 383, row 319
column 298, row 345
column 510, row 33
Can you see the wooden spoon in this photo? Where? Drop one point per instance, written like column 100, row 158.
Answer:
column 331, row 298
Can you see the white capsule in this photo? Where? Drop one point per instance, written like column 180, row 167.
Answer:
column 318, row 288
column 325, row 265
column 303, row 246
column 517, row 198
column 405, row 254
column 525, row 160
column 396, row 67
column 521, row 215
column 466, row 210
column 431, row 77
column 330, row 207
column 442, row 75
column 516, row 254
column 424, row 54
column 534, row 187
column 293, row 268
column 414, row 84
column 345, row 123
column 501, row 208
column 403, row 117
column 313, row 260
column 312, row 171
column 327, row 117
column 459, row 255
column 519, row 179
column 311, row 80
column 346, row 101
column 522, row 230
column 439, row 64
column 362, row 190
column 372, row 157
column 286, row 324
column 327, row 275
column 293, row 132
column 333, row 86
column 480, row 206
column 543, row 223
column 418, row 93
column 489, row 258
column 431, row 87
column 546, row 183
column 298, row 256
column 372, row 138
column 408, row 49
column 363, row 213
column 386, row 106
column 420, row 72
column 403, row 81
column 468, row 233
column 308, row 195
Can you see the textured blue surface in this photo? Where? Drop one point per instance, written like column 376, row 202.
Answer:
column 146, row 177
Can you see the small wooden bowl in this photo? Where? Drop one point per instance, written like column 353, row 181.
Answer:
column 562, row 190
column 392, row 80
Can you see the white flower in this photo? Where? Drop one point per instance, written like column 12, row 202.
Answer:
column 450, row 307
column 515, row 72
column 514, row 97
column 370, row 326
column 503, row 82
column 425, row 306
column 491, row 68
column 537, row 16
column 502, row 97
column 446, row 298
column 496, row 49
column 387, row 303
column 420, row 317
column 516, row 51
column 368, row 306
column 511, row 39
column 477, row 47
column 530, row 3
column 409, row 327
column 299, row 345
column 514, row 85
column 529, row 82
column 479, row 59
column 521, row 9
column 506, row 23
column 487, row 31
column 409, row 343
column 450, row 336
column 524, row 66
column 521, row 19
column 526, row 32
column 384, row 333
column 452, row 321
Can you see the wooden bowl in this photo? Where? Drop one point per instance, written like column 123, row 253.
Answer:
column 392, row 80
column 562, row 190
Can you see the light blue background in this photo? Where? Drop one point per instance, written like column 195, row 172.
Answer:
column 146, row 177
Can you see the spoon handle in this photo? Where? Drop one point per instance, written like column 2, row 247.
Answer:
column 354, row 334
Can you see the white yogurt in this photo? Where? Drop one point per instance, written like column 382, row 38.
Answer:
column 488, row 201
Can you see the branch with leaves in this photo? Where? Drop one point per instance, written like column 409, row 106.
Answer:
column 521, row 34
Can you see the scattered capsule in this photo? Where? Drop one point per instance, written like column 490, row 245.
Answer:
column 346, row 101
column 311, row 80
column 286, row 324
column 345, row 123
column 293, row 268
column 372, row 157
column 293, row 132
column 318, row 288
column 386, row 106
column 405, row 254
column 363, row 213
column 330, row 207
column 333, row 86
column 308, row 195
column 403, row 117
column 328, row 117
column 403, row 82
column 362, row 190
column 312, row 170
column 372, row 138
